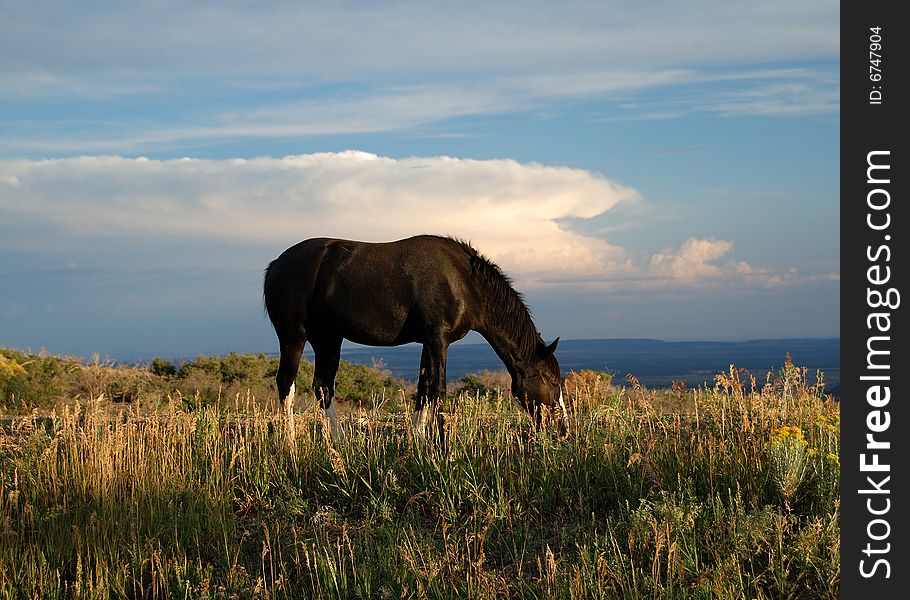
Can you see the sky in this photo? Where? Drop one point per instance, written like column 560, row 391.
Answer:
column 665, row 170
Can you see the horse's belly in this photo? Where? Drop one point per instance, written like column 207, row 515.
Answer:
column 368, row 339
column 370, row 325
column 380, row 336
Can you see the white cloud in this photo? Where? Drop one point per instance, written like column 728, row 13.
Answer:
column 508, row 209
column 511, row 211
column 693, row 260
column 796, row 96
column 698, row 262
column 410, row 107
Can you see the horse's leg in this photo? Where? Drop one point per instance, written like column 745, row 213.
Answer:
column 419, row 417
column 431, row 386
column 328, row 355
column 288, row 365
column 438, row 386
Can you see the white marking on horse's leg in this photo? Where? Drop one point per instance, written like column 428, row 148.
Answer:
column 289, row 412
column 565, row 412
column 419, row 421
column 334, row 427
column 289, row 400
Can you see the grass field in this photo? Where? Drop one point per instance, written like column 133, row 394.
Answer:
column 722, row 492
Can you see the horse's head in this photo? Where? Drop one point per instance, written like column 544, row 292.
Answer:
column 539, row 383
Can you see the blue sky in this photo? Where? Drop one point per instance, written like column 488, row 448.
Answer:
column 668, row 171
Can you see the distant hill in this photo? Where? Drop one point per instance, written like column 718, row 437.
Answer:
column 656, row 363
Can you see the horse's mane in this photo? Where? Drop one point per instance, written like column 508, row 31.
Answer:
column 506, row 303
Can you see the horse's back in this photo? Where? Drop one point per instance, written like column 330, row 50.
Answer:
column 422, row 258
column 374, row 293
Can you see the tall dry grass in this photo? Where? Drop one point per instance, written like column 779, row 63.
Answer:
column 722, row 492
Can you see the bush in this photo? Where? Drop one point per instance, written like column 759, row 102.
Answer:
column 364, row 385
column 120, row 384
column 208, row 379
column 163, row 368
column 12, row 379
column 29, row 382
column 490, row 384
column 250, row 369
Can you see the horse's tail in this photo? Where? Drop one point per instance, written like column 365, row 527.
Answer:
column 287, row 285
column 266, row 283
column 265, row 286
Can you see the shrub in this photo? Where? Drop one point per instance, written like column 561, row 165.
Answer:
column 120, row 384
column 163, row 368
column 249, row 369
column 491, row 384
column 587, row 389
column 12, row 379
column 45, row 380
column 364, row 385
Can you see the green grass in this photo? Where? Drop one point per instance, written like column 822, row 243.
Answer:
column 728, row 492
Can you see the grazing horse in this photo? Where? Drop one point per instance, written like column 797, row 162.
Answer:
column 427, row 289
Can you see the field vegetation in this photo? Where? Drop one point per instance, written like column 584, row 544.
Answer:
column 180, row 481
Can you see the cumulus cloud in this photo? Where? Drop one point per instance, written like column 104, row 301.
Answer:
column 508, row 209
column 692, row 261
column 244, row 211
column 700, row 262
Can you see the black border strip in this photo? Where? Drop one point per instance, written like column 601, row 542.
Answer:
column 873, row 117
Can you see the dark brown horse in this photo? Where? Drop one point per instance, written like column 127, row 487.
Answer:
column 426, row 289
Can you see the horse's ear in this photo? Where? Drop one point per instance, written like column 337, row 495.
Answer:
column 552, row 347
